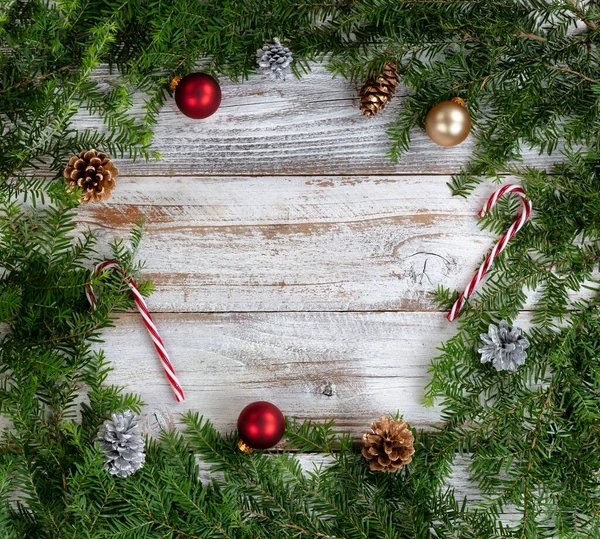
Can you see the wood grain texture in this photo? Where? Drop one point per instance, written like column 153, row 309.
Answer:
column 297, row 243
column 307, row 126
column 351, row 367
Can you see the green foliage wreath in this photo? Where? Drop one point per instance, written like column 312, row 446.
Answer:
column 529, row 70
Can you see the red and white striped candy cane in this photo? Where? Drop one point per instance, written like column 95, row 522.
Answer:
column 148, row 322
column 499, row 247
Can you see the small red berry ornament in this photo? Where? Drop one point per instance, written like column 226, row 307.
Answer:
column 261, row 425
column 197, row 95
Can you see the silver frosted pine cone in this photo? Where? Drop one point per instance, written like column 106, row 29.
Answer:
column 504, row 347
column 274, row 60
column 122, row 443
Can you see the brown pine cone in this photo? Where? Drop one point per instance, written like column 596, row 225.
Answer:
column 93, row 173
column 375, row 93
column 389, row 445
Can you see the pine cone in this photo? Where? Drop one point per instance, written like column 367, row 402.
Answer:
column 93, row 173
column 123, row 444
column 274, row 60
column 389, row 446
column 504, row 347
column 375, row 93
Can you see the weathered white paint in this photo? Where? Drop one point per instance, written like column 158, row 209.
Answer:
column 351, row 367
column 297, row 243
column 307, row 126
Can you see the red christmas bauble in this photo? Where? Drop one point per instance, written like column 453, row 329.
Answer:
column 261, row 425
column 198, row 95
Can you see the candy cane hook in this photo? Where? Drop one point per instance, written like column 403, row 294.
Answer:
column 148, row 322
column 499, row 247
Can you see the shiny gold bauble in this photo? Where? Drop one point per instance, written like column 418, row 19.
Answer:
column 448, row 123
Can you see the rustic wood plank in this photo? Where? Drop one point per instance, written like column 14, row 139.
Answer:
column 216, row 244
column 307, row 126
column 351, row 367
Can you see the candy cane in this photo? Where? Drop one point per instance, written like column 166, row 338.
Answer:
column 499, row 247
column 148, row 322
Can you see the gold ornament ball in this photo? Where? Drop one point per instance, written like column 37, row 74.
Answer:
column 448, row 123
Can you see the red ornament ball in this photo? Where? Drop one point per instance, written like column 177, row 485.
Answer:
column 261, row 425
column 198, row 95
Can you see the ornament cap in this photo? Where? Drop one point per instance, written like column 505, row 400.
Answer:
column 175, row 82
column 459, row 101
column 244, row 447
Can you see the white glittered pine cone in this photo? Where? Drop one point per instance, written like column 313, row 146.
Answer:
column 122, row 444
column 504, row 347
column 274, row 60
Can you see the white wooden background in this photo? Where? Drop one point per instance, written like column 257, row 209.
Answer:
column 292, row 261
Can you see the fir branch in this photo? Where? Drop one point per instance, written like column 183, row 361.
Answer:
column 527, row 79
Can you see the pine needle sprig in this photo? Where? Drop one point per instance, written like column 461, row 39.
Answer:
column 529, row 71
column 517, row 426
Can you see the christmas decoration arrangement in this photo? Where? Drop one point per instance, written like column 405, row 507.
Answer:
column 274, row 60
column 529, row 74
